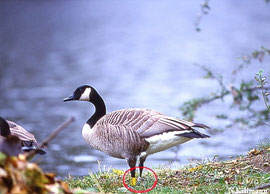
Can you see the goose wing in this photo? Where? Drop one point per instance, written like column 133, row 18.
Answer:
column 149, row 123
column 164, row 124
column 20, row 132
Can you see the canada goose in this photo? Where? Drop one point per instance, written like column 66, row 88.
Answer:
column 132, row 133
column 9, row 144
column 27, row 140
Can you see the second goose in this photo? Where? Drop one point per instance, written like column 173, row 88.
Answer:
column 132, row 133
column 27, row 140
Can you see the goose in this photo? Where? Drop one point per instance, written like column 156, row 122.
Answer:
column 27, row 140
column 9, row 144
column 132, row 133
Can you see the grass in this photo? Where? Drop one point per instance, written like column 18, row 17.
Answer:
column 265, row 143
column 245, row 173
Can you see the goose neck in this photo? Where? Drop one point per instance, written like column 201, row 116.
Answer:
column 100, row 111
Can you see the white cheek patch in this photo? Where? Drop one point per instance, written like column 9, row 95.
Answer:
column 85, row 95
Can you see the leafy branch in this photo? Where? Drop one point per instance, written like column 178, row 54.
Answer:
column 244, row 96
column 205, row 8
column 258, row 55
column 262, row 82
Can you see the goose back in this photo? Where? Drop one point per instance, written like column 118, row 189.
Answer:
column 147, row 122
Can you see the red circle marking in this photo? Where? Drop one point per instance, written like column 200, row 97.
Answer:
column 140, row 191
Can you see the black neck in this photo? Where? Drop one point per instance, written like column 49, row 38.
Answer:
column 100, row 110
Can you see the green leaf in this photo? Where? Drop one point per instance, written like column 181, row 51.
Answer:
column 260, row 72
column 2, row 156
column 221, row 116
column 221, row 180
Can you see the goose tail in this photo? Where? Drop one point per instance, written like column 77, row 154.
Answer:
column 199, row 125
column 193, row 134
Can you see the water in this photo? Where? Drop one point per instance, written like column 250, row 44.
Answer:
column 136, row 54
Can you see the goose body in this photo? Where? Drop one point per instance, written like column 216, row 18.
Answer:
column 27, row 140
column 134, row 132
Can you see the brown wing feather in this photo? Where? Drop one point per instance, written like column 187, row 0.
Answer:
column 20, row 132
column 147, row 122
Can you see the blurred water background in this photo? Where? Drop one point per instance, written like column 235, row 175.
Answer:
column 136, row 54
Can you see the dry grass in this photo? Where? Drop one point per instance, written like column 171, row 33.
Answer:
column 246, row 172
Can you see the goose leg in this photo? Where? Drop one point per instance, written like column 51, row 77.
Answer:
column 132, row 164
column 142, row 160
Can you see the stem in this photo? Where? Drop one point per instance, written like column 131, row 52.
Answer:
column 262, row 89
column 51, row 136
column 264, row 99
column 260, row 122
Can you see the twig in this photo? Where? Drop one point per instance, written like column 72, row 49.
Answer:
column 262, row 80
column 204, row 11
column 262, row 187
column 211, row 75
column 51, row 136
column 264, row 98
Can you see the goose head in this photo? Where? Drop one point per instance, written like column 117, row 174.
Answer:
column 82, row 93
column 88, row 93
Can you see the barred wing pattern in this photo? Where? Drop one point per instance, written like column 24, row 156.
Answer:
column 149, row 123
column 20, row 132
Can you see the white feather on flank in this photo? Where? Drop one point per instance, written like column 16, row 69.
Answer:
column 165, row 140
column 85, row 95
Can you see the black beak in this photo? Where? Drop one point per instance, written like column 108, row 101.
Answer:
column 40, row 151
column 69, row 98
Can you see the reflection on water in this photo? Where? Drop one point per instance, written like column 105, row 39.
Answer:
column 136, row 54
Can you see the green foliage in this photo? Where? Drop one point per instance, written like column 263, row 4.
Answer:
column 262, row 81
column 104, row 182
column 256, row 55
column 265, row 143
column 246, row 95
column 189, row 108
column 205, row 8
column 222, row 116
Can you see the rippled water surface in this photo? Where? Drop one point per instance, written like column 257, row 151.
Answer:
column 136, row 54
